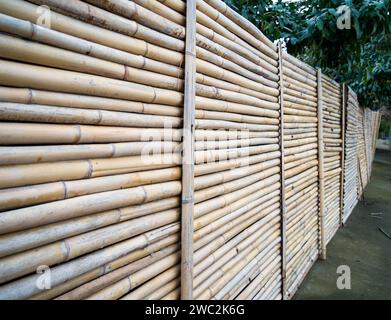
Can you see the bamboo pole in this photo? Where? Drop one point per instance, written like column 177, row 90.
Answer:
column 282, row 166
column 109, row 20
column 243, row 23
column 34, row 32
column 188, row 156
column 26, row 287
column 320, row 166
column 72, row 26
column 343, row 127
column 37, row 77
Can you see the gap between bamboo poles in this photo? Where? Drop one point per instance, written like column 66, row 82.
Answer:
column 282, row 172
column 188, row 155
column 322, row 253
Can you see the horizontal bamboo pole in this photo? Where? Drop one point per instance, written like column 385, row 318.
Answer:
column 54, row 38
column 24, row 218
column 59, row 99
column 48, row 153
column 23, row 75
column 209, row 193
column 28, row 195
column 51, row 114
column 101, row 282
column 160, row 247
column 215, row 222
column 106, row 19
column 12, row 243
column 242, row 22
column 240, row 243
column 213, row 167
column 123, row 286
column 68, row 25
column 36, row 133
column 25, row 287
column 152, row 290
column 27, row 174
column 23, row 263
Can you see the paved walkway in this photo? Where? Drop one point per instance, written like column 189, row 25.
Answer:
column 360, row 245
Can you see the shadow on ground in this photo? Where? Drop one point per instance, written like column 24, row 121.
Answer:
column 360, row 245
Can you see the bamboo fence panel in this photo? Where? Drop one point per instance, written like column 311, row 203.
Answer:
column 224, row 219
column 92, row 118
column 300, row 117
column 332, row 124
column 361, row 153
column 91, row 177
column 351, row 173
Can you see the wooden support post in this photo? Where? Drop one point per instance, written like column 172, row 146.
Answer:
column 282, row 204
column 320, row 167
column 343, row 130
column 188, row 155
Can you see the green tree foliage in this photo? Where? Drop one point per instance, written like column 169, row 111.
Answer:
column 385, row 128
column 359, row 56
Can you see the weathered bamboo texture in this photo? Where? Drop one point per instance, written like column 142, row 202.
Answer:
column 91, row 140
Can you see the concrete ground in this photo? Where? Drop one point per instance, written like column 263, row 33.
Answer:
column 360, row 245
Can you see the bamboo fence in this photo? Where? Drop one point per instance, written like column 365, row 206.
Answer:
column 94, row 114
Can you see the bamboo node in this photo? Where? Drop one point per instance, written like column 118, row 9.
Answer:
column 79, row 134
column 126, row 73
column 145, row 194
column 90, row 168
column 67, row 249
column 33, row 30
column 30, row 96
column 65, row 189
column 114, row 150
column 144, row 63
column 100, row 117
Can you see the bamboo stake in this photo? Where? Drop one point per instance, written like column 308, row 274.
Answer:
column 320, row 166
column 343, row 127
column 282, row 166
column 188, row 156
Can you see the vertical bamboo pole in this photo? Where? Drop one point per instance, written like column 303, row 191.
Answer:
column 364, row 123
column 283, row 206
column 344, row 101
column 188, row 155
column 320, row 167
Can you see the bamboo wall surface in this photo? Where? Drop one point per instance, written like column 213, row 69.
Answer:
column 351, row 180
column 94, row 112
column 301, row 169
column 332, row 137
